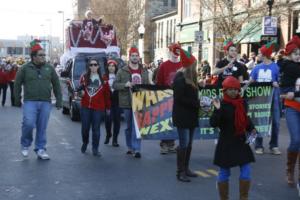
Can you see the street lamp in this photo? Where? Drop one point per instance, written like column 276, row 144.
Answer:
column 63, row 26
column 270, row 4
column 141, row 31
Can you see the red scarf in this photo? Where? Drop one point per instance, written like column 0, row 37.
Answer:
column 240, row 115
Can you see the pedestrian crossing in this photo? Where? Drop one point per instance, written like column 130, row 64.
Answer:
column 207, row 173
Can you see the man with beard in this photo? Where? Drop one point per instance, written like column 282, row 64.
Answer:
column 126, row 78
column 165, row 76
column 229, row 66
column 37, row 78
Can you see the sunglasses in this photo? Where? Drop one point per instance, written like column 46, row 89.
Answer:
column 41, row 55
column 93, row 65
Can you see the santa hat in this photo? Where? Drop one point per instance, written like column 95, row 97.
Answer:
column 174, row 47
column 293, row 44
column 231, row 82
column 112, row 62
column 267, row 49
column 228, row 43
column 133, row 49
column 186, row 58
column 35, row 45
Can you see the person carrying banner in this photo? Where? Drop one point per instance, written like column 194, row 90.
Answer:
column 230, row 116
column 268, row 71
column 114, row 117
column 185, row 112
column 290, row 89
column 95, row 102
column 229, row 66
column 165, row 75
column 126, row 78
column 37, row 78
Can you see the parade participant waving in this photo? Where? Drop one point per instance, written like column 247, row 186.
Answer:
column 94, row 103
column 126, row 78
column 114, row 117
column 290, row 83
column 165, row 75
column 268, row 71
column 232, row 150
column 37, row 78
column 185, row 112
column 229, row 66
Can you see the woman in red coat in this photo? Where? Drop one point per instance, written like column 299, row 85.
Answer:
column 94, row 103
column 3, row 84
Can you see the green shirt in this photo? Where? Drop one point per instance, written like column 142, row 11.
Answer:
column 37, row 84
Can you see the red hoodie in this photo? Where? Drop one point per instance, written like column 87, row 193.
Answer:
column 100, row 99
column 3, row 77
column 11, row 75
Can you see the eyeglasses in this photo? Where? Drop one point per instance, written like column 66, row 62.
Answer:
column 93, row 65
column 41, row 55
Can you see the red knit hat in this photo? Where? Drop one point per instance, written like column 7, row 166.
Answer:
column 133, row 49
column 35, row 45
column 186, row 58
column 293, row 44
column 228, row 43
column 267, row 49
column 174, row 47
column 112, row 62
column 231, row 82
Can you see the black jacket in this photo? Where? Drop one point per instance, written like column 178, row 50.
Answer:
column 231, row 150
column 290, row 72
column 186, row 103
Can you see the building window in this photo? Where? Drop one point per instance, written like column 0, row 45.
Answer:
column 174, row 31
column 173, row 3
column 166, row 2
column 187, row 8
column 158, row 36
column 161, row 35
column 171, row 31
column 167, row 34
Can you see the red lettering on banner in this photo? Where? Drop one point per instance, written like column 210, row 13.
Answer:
column 147, row 119
column 155, row 113
column 163, row 108
column 139, row 119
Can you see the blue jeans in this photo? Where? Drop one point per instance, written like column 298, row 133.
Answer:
column 185, row 137
column 91, row 117
column 245, row 173
column 276, row 108
column 113, row 118
column 131, row 140
column 293, row 123
column 35, row 115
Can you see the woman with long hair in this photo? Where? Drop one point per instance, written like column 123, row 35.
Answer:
column 114, row 117
column 185, row 112
column 94, row 103
column 289, row 86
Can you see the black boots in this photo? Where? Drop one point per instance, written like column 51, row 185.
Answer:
column 188, row 172
column 108, row 136
column 181, row 176
column 115, row 141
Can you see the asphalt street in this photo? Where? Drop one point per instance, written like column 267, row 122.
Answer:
column 71, row 175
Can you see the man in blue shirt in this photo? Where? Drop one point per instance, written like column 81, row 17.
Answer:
column 268, row 71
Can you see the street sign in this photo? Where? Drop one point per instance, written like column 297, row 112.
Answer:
column 269, row 25
column 198, row 36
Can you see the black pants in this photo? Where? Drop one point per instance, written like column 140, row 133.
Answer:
column 12, row 96
column 3, row 88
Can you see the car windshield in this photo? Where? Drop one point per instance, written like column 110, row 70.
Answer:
column 79, row 68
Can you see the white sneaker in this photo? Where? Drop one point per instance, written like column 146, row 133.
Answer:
column 259, row 151
column 25, row 151
column 275, row 151
column 41, row 154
